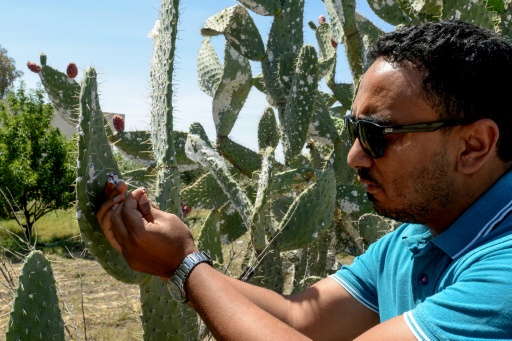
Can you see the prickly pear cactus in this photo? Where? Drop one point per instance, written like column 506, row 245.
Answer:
column 299, row 213
column 493, row 15
column 295, row 203
column 95, row 161
column 35, row 313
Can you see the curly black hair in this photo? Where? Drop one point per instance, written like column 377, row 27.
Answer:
column 466, row 71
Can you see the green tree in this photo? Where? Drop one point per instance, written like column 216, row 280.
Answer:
column 8, row 72
column 36, row 160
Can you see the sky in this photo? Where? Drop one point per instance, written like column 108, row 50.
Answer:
column 112, row 36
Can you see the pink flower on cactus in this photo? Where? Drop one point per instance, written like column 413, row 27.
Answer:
column 321, row 19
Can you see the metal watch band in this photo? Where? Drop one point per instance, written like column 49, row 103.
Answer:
column 180, row 276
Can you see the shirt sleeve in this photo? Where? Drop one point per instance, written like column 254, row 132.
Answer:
column 360, row 277
column 477, row 306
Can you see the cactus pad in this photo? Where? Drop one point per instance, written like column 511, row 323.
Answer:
column 35, row 313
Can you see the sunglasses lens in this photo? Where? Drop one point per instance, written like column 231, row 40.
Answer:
column 371, row 139
column 350, row 128
column 370, row 136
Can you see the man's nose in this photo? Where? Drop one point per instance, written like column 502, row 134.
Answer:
column 357, row 158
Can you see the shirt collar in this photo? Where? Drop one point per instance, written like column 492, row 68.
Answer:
column 478, row 220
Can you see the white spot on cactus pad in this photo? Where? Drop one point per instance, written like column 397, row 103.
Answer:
column 90, row 171
column 154, row 33
column 348, row 207
column 222, row 103
column 354, row 193
column 230, row 210
column 256, row 7
column 270, row 56
column 113, row 178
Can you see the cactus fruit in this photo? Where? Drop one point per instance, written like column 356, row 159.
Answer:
column 321, row 19
column 185, row 210
column 118, row 123
column 72, row 70
column 33, row 67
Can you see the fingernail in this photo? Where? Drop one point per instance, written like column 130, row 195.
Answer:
column 144, row 190
column 118, row 198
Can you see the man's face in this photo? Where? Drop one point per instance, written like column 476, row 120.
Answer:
column 414, row 180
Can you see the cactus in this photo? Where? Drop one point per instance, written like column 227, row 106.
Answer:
column 35, row 313
column 95, row 161
column 298, row 213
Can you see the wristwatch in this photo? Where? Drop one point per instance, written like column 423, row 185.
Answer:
column 176, row 283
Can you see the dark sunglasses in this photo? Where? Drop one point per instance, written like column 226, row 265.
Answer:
column 371, row 135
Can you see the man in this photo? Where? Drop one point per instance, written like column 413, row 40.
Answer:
column 431, row 133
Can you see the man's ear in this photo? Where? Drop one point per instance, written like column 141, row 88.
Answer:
column 479, row 141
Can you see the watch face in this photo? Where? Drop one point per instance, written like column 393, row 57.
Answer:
column 175, row 290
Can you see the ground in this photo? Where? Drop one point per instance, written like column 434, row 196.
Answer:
column 111, row 308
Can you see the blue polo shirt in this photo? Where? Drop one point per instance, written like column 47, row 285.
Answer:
column 455, row 286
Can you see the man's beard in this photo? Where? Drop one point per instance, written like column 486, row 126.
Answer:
column 428, row 192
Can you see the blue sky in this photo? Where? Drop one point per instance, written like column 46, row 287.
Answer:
column 112, row 36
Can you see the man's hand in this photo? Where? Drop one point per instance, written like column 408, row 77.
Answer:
column 152, row 241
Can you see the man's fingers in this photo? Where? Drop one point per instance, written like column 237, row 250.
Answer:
column 145, row 207
column 113, row 186
column 107, row 205
column 109, row 230
column 130, row 211
column 119, row 229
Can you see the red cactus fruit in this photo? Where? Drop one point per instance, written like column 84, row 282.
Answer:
column 334, row 43
column 185, row 210
column 72, row 70
column 321, row 19
column 118, row 123
column 33, row 67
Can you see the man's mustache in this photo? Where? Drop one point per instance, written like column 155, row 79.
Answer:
column 364, row 175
